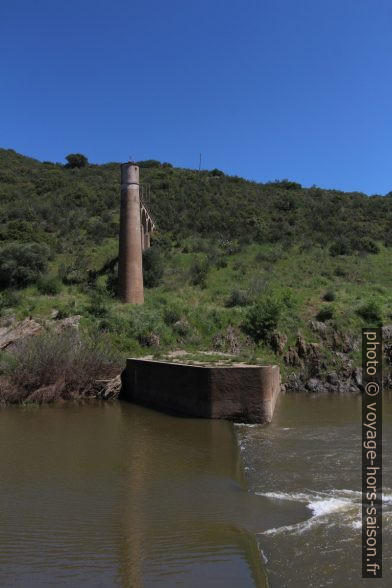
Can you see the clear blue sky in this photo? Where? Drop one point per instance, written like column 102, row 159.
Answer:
column 265, row 89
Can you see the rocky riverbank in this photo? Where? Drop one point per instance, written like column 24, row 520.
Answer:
column 327, row 366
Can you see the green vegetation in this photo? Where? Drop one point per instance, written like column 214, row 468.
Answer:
column 22, row 263
column 262, row 318
column 326, row 313
column 76, row 160
column 232, row 260
column 53, row 366
column 153, row 267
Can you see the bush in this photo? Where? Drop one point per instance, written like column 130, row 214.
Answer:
column 340, row 247
column 22, row 263
column 237, row 298
column 98, row 303
column 147, row 327
column 8, row 299
column 348, row 246
column 325, row 314
column 221, row 262
column 198, row 272
column 172, row 314
column 49, row 285
column 262, row 318
column 340, row 272
column 367, row 245
column 329, row 296
column 76, row 272
column 181, row 328
column 370, row 312
column 216, row 172
column 52, row 366
column 152, row 267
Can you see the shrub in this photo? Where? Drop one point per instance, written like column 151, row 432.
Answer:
column 262, row 318
column 286, row 203
column 69, row 308
column 329, row 296
column 237, row 298
column 367, row 245
column 216, row 172
column 198, row 272
column 340, row 247
column 8, row 299
column 181, row 327
column 370, row 312
column 172, row 314
column 221, row 262
column 98, row 303
column 152, row 267
column 325, row 314
column 52, row 366
column 340, row 272
column 270, row 255
column 76, row 272
column 147, row 327
column 49, row 285
column 22, row 263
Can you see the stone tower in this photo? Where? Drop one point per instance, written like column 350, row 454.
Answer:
column 130, row 266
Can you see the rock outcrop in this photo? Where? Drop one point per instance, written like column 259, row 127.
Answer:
column 326, row 366
column 18, row 330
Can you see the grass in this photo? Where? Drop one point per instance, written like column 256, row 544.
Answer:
column 299, row 277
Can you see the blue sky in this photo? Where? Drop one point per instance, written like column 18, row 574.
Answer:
column 265, row 89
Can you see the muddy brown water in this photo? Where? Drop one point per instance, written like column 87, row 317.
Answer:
column 120, row 495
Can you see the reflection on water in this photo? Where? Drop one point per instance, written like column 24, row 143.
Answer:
column 119, row 495
column 312, row 453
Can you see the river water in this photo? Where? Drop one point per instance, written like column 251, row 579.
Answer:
column 119, row 495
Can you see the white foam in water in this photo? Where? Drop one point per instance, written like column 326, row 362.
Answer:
column 387, row 498
column 328, row 506
column 246, row 425
column 300, row 496
column 322, row 506
column 298, row 528
column 357, row 524
column 263, row 556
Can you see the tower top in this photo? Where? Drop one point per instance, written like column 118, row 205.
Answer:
column 129, row 173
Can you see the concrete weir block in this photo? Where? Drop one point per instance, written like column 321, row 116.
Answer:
column 239, row 393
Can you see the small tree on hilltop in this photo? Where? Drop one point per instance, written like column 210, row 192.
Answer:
column 76, row 160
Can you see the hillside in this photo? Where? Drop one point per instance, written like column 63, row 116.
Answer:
column 236, row 266
column 63, row 206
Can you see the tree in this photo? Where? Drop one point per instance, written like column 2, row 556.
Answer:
column 217, row 172
column 76, row 160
